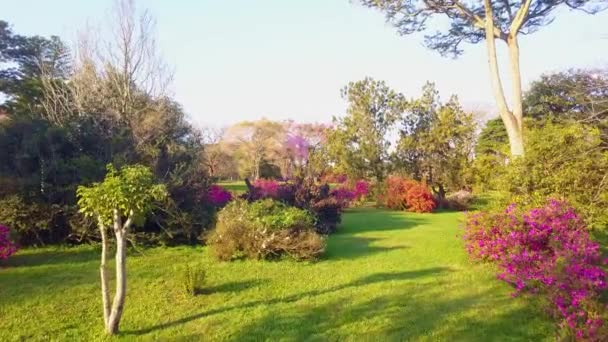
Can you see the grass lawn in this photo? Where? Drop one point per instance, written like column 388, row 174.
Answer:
column 237, row 187
column 386, row 276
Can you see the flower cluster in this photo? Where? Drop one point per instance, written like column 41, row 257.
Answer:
column 266, row 188
column 7, row 247
column 546, row 251
column 403, row 193
column 218, row 196
column 349, row 194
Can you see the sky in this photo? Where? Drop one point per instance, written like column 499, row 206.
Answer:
column 288, row 59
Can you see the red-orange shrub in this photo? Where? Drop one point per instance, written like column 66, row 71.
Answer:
column 419, row 199
column 406, row 194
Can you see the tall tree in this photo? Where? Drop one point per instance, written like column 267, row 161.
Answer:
column 571, row 96
column 255, row 143
column 359, row 144
column 477, row 21
column 436, row 141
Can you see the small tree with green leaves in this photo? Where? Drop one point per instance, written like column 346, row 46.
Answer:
column 122, row 200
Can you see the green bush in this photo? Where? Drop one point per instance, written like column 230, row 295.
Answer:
column 265, row 229
column 561, row 161
column 193, row 278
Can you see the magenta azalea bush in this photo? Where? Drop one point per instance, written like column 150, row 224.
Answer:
column 7, row 247
column 344, row 195
column 546, row 251
column 218, row 196
column 266, row 188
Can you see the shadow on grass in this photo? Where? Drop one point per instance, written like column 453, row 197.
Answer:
column 58, row 256
column 400, row 317
column 235, row 286
column 370, row 220
column 372, row 279
column 351, row 247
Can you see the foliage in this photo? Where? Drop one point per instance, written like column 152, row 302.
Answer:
column 570, row 96
column 436, row 142
column 395, row 190
column 34, row 223
column 7, row 247
column 193, row 278
column 265, row 229
column 359, row 143
column 563, row 161
column 546, row 251
column 400, row 193
column 218, row 196
column 419, row 199
column 128, row 192
column 266, row 188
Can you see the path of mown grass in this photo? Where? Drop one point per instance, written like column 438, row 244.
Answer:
column 386, row 276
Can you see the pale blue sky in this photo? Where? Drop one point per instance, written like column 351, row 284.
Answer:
column 287, row 59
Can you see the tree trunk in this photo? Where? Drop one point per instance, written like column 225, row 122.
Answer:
column 105, row 293
column 512, row 120
column 517, row 143
column 121, row 283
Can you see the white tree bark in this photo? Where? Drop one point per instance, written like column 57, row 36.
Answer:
column 113, row 315
column 512, row 119
column 105, row 293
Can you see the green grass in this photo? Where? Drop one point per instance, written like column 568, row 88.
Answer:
column 237, row 187
column 386, row 276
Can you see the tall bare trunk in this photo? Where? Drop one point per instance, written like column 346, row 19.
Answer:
column 121, row 283
column 103, row 271
column 512, row 120
column 517, row 146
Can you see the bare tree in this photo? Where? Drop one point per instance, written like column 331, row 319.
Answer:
column 476, row 21
column 121, row 77
column 214, row 152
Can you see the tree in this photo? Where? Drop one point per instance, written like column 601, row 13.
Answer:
column 571, row 96
column 476, row 21
column 303, row 143
column 255, row 143
column 123, row 199
column 436, row 141
column 359, row 143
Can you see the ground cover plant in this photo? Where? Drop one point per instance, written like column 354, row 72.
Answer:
column 386, row 275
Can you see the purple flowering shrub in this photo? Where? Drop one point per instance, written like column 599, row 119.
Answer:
column 218, row 196
column 349, row 194
column 7, row 247
column 546, row 251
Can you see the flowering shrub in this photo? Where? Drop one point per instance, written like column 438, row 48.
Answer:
column 419, row 199
column 344, row 195
column 218, row 196
column 335, row 178
column 546, row 251
column 361, row 189
column 7, row 247
column 402, row 193
column 266, row 188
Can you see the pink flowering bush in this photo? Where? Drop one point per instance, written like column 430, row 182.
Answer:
column 361, row 189
column 7, row 247
column 546, row 251
column 266, row 188
column 218, row 196
column 344, row 195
